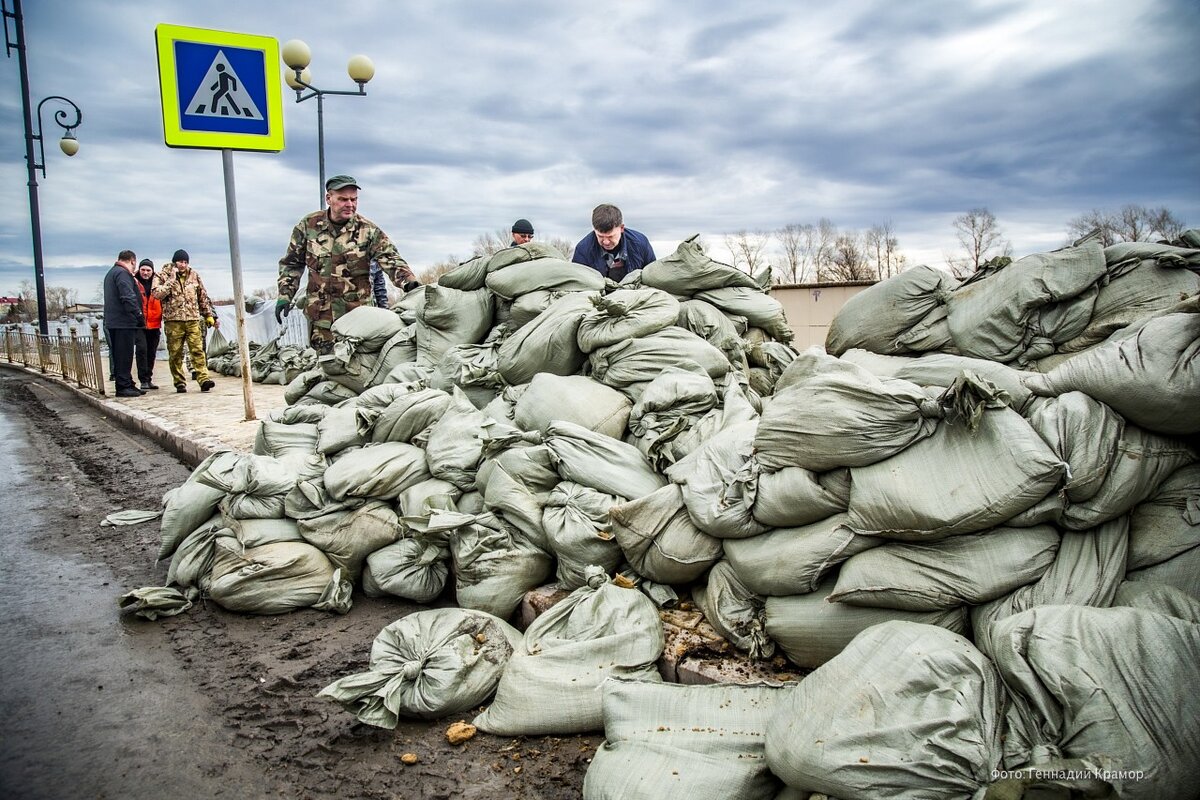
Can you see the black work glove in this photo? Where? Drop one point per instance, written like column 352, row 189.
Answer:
column 283, row 307
column 411, row 286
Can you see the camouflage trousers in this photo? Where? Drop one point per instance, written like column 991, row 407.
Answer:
column 322, row 310
column 181, row 333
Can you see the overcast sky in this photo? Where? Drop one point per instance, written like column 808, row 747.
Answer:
column 694, row 117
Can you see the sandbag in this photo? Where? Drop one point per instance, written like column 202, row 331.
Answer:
column 788, row 561
column 379, row 471
column 543, row 274
column 1149, row 373
column 715, row 482
column 796, row 496
column 660, row 540
column 454, row 448
column 942, row 369
column 276, row 578
column 449, row 317
column 734, row 611
column 1168, row 523
column 810, row 630
column 574, row 398
column 605, row 464
column 690, row 270
column 1141, row 462
column 1087, row 570
column 833, row 413
column 667, row 740
column 576, row 522
column 408, row 415
column 493, row 567
column 1103, row 685
column 998, row 313
column 348, row 537
column 906, row 711
column 366, row 328
column 955, row 481
column 548, row 343
column 428, row 665
column 760, row 309
column 1181, row 572
column 186, row 507
column 873, row 318
column 715, row 327
column 636, row 361
column 1139, row 289
column 626, row 314
column 962, row 570
column 550, row 685
column 414, row 568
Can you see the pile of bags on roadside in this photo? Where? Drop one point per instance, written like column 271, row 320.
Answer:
column 961, row 462
column 272, row 362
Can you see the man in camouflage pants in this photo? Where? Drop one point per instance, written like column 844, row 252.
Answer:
column 335, row 247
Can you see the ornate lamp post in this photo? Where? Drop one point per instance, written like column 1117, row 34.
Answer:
column 68, row 144
column 297, row 56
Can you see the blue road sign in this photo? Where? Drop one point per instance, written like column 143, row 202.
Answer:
column 219, row 89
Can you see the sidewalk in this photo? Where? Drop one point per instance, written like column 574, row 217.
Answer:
column 192, row 425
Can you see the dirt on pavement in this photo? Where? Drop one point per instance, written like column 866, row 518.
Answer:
column 209, row 702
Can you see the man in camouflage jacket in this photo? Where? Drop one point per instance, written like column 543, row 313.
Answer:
column 185, row 304
column 335, row 248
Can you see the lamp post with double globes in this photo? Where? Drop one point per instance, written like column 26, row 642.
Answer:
column 68, row 144
column 297, row 57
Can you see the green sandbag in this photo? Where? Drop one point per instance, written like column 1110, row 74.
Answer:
column 696, row 742
column 550, row 685
column 428, row 665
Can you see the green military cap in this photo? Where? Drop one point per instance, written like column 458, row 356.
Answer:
column 340, row 182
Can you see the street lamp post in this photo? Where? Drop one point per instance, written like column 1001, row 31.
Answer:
column 69, row 145
column 297, row 56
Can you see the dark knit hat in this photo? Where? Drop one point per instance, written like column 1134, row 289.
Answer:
column 145, row 262
column 523, row 226
column 180, row 255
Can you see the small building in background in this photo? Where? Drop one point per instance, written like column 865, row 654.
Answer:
column 811, row 307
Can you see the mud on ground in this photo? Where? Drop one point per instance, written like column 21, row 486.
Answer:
column 256, row 677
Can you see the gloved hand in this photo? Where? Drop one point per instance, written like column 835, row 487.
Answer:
column 211, row 322
column 283, row 307
column 411, row 286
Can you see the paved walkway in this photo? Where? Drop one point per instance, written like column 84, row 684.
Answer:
column 192, row 425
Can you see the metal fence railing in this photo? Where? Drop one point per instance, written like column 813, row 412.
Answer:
column 76, row 358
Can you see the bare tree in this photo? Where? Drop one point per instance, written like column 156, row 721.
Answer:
column 796, row 244
column 826, row 236
column 848, row 261
column 28, row 296
column 1094, row 220
column 748, row 249
column 564, row 246
column 487, row 244
column 882, row 249
column 58, row 298
column 1133, row 223
column 431, row 273
column 1165, row 224
column 981, row 238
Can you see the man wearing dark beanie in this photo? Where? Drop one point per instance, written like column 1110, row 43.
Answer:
column 186, row 305
column 522, row 232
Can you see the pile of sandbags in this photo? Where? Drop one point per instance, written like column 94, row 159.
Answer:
column 523, row 422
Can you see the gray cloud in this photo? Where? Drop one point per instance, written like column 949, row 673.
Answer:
column 695, row 118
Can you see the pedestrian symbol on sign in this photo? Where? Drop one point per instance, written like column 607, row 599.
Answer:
column 221, row 94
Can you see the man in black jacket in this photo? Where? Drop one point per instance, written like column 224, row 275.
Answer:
column 123, row 320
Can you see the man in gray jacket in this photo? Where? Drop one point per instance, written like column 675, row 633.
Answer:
column 123, row 320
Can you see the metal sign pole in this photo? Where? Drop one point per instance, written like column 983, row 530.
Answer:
column 239, row 300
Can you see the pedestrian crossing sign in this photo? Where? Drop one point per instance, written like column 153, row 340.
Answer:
column 220, row 90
